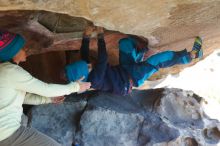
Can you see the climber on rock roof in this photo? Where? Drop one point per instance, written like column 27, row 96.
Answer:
column 133, row 68
column 141, row 68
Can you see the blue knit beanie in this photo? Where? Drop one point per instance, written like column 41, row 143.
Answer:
column 77, row 70
column 10, row 44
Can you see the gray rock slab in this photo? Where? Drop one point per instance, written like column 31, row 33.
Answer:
column 144, row 118
column 58, row 121
column 181, row 108
column 102, row 127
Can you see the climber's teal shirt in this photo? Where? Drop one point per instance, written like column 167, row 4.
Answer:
column 140, row 68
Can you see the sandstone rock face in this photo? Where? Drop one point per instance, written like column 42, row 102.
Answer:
column 168, row 25
column 146, row 118
column 163, row 22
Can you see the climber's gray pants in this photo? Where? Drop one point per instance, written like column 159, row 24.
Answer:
column 25, row 136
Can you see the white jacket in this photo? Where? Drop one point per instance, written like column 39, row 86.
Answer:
column 18, row 87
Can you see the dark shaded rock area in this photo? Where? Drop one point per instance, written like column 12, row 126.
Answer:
column 144, row 118
column 62, row 23
column 58, row 121
column 48, row 31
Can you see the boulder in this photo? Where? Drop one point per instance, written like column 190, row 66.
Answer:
column 145, row 118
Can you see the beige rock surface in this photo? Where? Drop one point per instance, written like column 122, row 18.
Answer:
column 170, row 24
column 163, row 22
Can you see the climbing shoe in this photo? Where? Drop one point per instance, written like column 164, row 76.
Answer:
column 197, row 48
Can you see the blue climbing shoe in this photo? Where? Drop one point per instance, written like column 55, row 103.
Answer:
column 197, row 48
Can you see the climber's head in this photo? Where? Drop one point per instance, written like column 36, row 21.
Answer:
column 76, row 70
